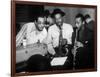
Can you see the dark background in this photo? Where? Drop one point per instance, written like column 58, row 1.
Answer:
column 27, row 13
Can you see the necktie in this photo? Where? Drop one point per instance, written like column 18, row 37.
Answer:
column 60, row 38
column 60, row 41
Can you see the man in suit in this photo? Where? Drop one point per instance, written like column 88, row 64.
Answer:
column 84, row 55
column 90, row 28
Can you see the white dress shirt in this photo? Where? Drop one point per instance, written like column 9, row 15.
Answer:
column 32, row 34
column 53, row 36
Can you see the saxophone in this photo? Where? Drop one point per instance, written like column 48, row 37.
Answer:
column 74, row 50
column 77, row 45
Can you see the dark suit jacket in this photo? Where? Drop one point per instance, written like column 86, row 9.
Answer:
column 85, row 33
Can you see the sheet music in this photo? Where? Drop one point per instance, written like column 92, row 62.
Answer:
column 58, row 61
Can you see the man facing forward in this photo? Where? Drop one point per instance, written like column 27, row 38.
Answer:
column 59, row 34
column 59, row 38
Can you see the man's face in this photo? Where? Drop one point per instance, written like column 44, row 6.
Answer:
column 50, row 20
column 78, row 22
column 40, row 23
column 87, row 20
column 58, row 19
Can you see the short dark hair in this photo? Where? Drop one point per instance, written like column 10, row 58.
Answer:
column 46, row 13
column 40, row 15
column 79, row 15
column 87, row 16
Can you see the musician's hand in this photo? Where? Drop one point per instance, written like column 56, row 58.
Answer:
column 79, row 44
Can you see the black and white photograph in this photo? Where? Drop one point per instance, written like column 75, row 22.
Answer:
column 51, row 37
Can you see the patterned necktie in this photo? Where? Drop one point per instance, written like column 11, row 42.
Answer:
column 60, row 40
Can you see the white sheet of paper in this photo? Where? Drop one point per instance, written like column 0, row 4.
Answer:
column 58, row 61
